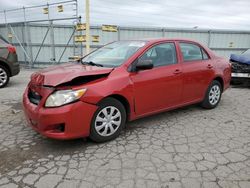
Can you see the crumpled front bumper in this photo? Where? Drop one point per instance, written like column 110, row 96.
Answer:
column 65, row 122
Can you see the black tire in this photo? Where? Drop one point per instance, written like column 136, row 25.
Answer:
column 206, row 103
column 108, row 102
column 2, row 68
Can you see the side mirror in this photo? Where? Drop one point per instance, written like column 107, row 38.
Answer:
column 144, row 64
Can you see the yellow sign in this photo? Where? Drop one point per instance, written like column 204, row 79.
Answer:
column 60, row 8
column 74, row 58
column 109, row 28
column 80, row 26
column 80, row 38
column 95, row 38
column 46, row 10
column 231, row 44
column 10, row 35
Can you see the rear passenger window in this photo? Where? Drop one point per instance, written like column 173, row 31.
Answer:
column 161, row 54
column 192, row 52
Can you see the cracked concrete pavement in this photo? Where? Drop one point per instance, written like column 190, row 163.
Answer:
column 189, row 147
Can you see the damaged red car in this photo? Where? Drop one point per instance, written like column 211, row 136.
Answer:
column 120, row 82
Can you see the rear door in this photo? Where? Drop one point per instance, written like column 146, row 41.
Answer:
column 197, row 69
column 160, row 87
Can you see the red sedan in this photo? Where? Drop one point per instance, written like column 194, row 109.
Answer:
column 120, row 82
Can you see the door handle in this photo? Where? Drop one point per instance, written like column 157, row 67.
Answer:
column 177, row 71
column 209, row 66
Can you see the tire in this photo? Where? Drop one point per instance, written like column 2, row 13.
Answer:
column 213, row 95
column 104, row 128
column 4, row 76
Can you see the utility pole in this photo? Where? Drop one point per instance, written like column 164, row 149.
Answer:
column 87, row 26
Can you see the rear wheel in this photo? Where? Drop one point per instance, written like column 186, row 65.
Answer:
column 108, row 120
column 213, row 95
column 4, row 76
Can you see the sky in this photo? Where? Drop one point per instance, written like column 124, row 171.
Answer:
column 207, row 14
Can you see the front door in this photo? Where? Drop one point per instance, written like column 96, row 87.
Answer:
column 160, row 87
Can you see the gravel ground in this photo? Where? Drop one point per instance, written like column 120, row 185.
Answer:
column 189, row 147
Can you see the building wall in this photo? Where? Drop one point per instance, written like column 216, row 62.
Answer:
column 31, row 37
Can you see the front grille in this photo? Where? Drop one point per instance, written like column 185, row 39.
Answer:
column 240, row 67
column 34, row 97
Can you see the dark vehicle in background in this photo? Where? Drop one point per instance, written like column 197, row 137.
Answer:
column 9, row 65
column 240, row 67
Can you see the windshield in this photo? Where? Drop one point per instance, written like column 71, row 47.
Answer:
column 113, row 54
column 247, row 52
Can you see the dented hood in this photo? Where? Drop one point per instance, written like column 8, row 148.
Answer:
column 57, row 75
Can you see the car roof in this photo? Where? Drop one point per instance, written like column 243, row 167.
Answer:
column 156, row 40
column 168, row 39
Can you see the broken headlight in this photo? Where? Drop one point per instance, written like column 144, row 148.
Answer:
column 62, row 97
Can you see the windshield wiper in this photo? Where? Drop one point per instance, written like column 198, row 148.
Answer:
column 91, row 63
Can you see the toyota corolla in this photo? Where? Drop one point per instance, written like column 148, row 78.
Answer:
column 120, row 82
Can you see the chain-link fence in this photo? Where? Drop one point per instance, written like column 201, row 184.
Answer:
column 44, row 44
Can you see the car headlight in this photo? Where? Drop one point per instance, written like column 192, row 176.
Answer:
column 62, row 97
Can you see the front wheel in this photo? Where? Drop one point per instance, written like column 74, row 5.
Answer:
column 108, row 120
column 213, row 95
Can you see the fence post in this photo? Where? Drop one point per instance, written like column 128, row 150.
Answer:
column 74, row 43
column 27, row 35
column 81, row 32
column 31, row 63
column 163, row 32
column 52, row 40
column 209, row 38
column 119, row 33
column 24, row 42
column 6, row 25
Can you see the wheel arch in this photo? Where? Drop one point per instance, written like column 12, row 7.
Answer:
column 121, row 99
column 5, row 65
column 220, row 80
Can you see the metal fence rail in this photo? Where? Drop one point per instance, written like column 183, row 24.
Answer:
column 42, row 50
column 34, row 44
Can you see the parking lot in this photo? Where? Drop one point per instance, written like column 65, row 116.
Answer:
column 189, row 147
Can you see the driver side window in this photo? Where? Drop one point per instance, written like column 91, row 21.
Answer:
column 161, row 54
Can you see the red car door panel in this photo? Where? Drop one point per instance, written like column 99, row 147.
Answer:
column 158, row 88
column 197, row 70
column 196, row 78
